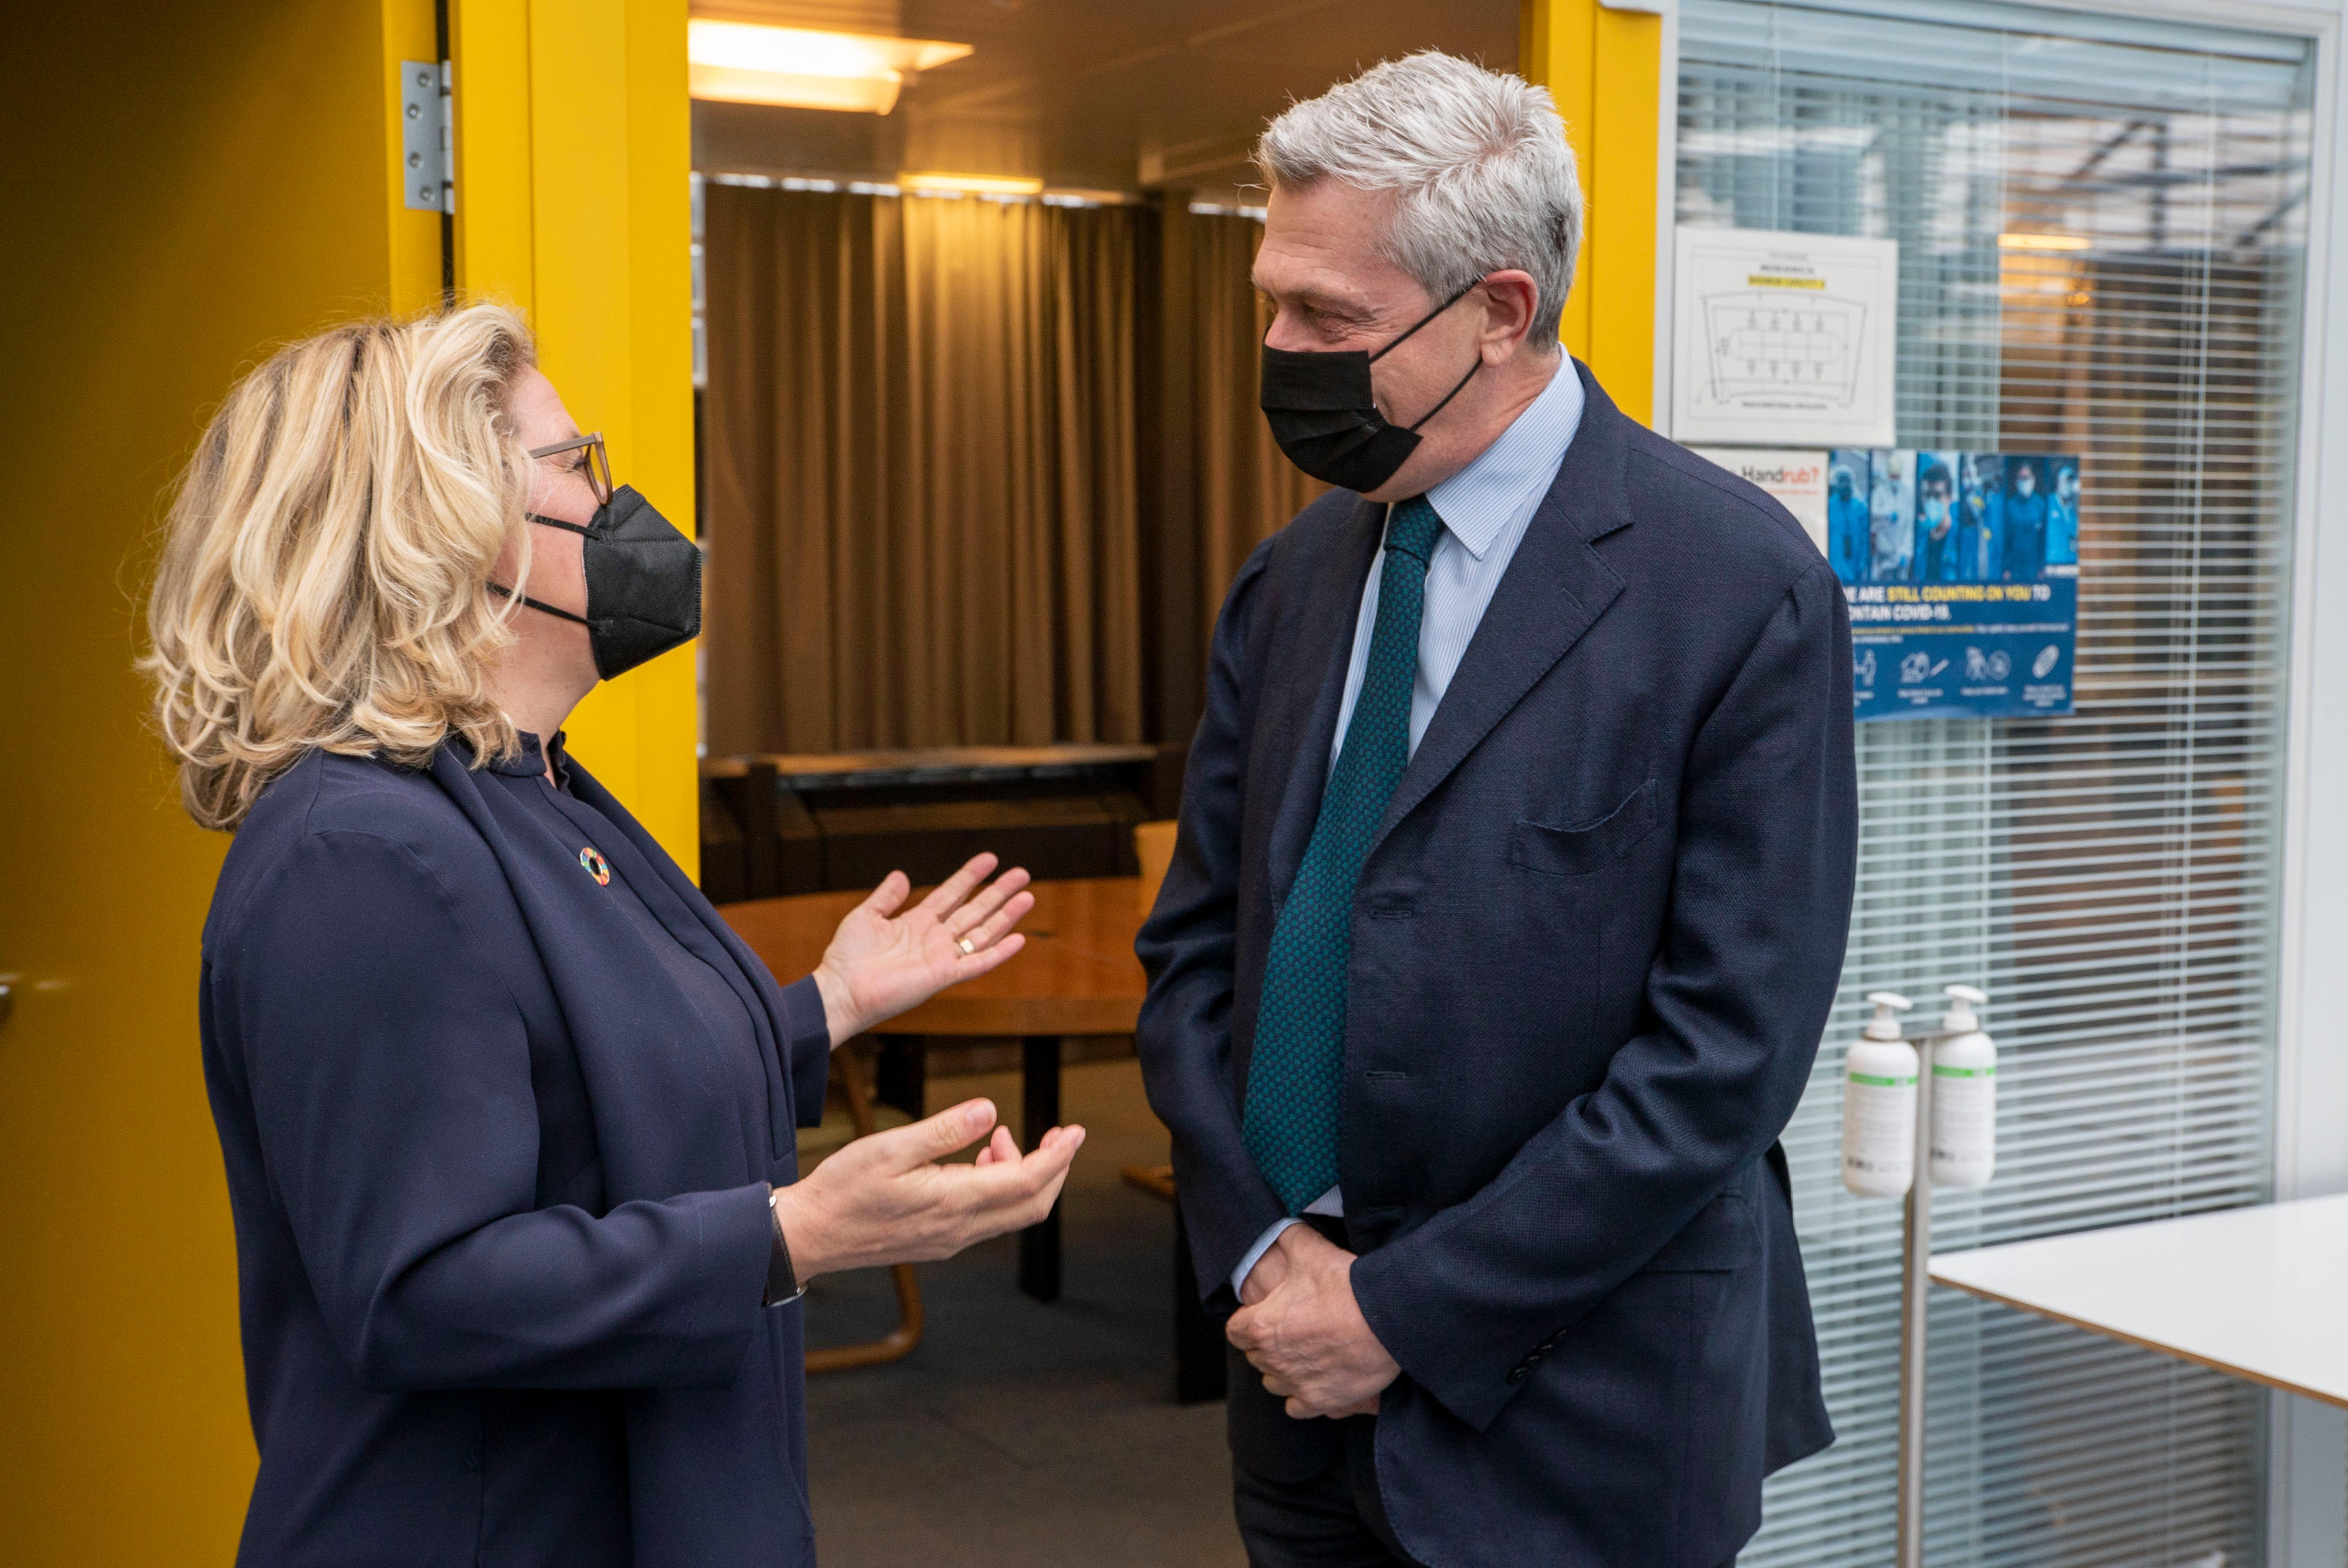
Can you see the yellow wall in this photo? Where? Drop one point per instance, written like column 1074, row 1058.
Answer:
column 574, row 139
column 1604, row 67
column 208, row 180
column 212, row 179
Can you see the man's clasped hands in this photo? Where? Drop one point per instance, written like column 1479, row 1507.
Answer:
column 1298, row 1325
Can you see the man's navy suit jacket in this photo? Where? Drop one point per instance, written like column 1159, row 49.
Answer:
column 1594, row 948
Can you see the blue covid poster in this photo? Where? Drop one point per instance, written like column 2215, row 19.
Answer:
column 1962, row 573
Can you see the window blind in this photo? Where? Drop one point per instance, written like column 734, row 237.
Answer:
column 2100, row 233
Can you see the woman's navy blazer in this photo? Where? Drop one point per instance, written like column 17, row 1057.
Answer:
column 500, row 1196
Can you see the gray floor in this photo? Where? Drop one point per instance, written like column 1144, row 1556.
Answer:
column 1020, row 1434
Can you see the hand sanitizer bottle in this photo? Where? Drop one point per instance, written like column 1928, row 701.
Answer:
column 1964, row 1096
column 1879, row 1105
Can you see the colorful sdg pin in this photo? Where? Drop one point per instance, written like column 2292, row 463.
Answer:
column 597, row 867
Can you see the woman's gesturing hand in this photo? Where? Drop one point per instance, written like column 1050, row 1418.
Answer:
column 886, row 1200
column 881, row 962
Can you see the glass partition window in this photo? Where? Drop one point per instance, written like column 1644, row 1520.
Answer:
column 2100, row 230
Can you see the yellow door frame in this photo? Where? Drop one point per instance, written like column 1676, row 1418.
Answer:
column 574, row 153
column 220, row 178
column 215, row 180
column 1605, row 67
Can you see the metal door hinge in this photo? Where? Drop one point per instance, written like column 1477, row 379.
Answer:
column 428, row 136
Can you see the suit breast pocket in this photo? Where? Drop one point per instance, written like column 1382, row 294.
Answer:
column 1577, row 850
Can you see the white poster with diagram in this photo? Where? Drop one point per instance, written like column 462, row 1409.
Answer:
column 1782, row 339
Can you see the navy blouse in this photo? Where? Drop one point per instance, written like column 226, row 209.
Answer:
column 501, row 1100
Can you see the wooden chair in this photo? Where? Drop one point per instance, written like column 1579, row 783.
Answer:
column 1153, row 846
column 1199, row 1362
column 861, row 1118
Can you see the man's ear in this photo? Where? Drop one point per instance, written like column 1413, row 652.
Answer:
column 1510, row 300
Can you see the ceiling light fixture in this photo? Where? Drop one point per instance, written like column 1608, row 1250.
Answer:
column 2014, row 240
column 972, row 184
column 800, row 67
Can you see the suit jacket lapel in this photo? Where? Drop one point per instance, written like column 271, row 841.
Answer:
column 623, row 1017
column 1311, row 657
column 1554, row 590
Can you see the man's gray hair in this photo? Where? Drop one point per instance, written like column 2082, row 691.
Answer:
column 1478, row 161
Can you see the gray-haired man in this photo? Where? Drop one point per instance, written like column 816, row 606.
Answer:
column 1515, row 864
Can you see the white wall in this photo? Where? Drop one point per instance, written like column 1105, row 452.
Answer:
column 2308, row 1519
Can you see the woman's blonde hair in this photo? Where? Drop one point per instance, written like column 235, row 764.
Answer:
column 324, row 575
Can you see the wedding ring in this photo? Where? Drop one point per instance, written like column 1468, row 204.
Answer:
column 967, row 946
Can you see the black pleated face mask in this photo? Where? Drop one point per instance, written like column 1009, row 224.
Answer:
column 643, row 583
column 1324, row 413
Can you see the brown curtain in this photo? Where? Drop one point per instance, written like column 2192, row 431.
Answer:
column 920, row 459
column 1246, row 489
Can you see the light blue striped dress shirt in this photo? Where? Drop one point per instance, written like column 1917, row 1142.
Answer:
column 1486, row 507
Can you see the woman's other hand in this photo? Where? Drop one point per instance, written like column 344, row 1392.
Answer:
column 881, row 962
column 886, row 1199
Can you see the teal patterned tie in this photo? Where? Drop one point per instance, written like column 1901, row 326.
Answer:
column 1296, row 1076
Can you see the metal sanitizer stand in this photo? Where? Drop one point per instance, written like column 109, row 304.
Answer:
column 1915, row 1292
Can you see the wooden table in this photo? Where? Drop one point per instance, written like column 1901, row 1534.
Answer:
column 1078, row 975
column 2260, row 1293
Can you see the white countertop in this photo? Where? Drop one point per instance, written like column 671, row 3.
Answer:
column 2261, row 1292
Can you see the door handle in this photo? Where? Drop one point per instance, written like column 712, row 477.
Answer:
column 7, row 1000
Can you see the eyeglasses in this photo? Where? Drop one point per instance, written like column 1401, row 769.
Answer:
column 598, row 465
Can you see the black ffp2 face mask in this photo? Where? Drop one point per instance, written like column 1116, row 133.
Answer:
column 1324, row 415
column 643, row 583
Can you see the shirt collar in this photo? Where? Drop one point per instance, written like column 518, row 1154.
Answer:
column 1478, row 502
column 529, row 760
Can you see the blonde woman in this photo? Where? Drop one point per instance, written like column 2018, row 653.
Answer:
column 508, row 1112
